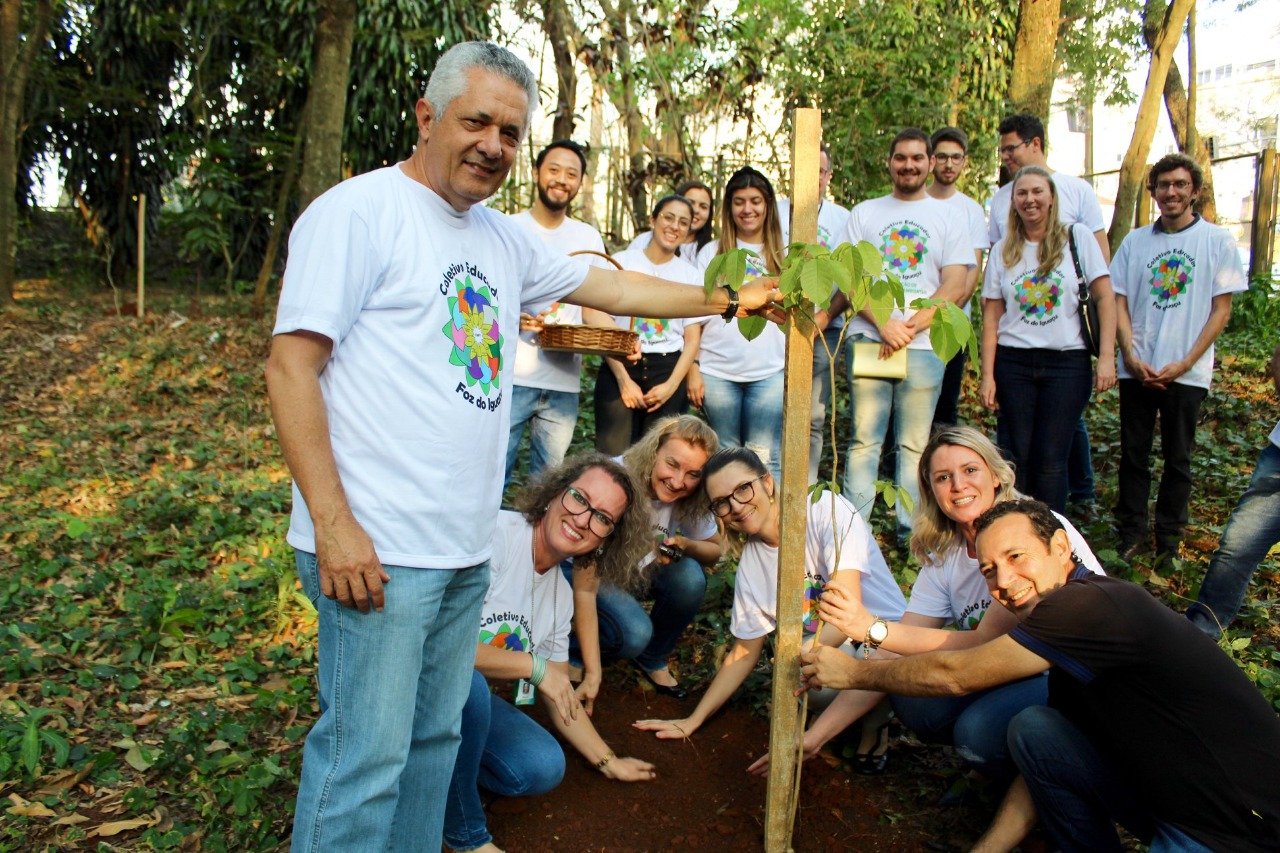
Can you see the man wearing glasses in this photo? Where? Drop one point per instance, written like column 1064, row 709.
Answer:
column 1173, row 281
column 1022, row 143
column 950, row 155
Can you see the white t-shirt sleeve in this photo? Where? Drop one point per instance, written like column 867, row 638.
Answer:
column 929, row 594
column 754, row 593
column 1091, row 260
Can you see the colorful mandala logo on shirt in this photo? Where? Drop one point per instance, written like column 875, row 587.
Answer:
column 649, row 328
column 812, row 589
column 473, row 328
column 510, row 637
column 755, row 266
column 1171, row 277
column 1038, row 295
column 904, row 247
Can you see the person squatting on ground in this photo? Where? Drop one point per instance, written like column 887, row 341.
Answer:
column 839, row 549
column 1173, row 281
column 1036, row 366
column 587, row 509
column 609, row 620
column 739, row 382
column 387, row 373
column 632, row 396
column 1149, row 724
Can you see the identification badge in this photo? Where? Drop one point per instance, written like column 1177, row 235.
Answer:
column 525, row 692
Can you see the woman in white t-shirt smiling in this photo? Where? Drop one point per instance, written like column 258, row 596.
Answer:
column 961, row 476
column 588, row 507
column 631, row 396
column 699, row 196
column 738, row 382
column 1035, row 364
column 609, row 620
column 839, row 552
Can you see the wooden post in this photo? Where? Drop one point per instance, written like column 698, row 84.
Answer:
column 142, row 254
column 785, row 724
column 1263, row 233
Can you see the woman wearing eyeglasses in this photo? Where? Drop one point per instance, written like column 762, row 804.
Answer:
column 586, row 508
column 699, row 196
column 630, row 397
column 839, row 548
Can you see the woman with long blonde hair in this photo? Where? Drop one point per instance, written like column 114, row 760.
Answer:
column 1035, row 363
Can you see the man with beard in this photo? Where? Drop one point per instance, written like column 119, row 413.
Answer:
column 950, row 155
column 1173, row 281
column 544, row 394
column 1023, row 143
column 926, row 246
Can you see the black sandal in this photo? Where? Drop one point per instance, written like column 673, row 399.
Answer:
column 873, row 763
column 675, row 691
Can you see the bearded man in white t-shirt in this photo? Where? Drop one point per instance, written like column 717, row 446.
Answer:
column 387, row 377
column 545, row 385
column 950, row 158
column 1023, row 143
column 927, row 247
column 1173, row 281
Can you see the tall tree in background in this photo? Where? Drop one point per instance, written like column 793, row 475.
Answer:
column 1035, row 56
column 18, row 50
column 327, row 99
column 1166, row 20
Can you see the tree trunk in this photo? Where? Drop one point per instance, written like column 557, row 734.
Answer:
column 556, row 25
column 1031, row 84
column 326, row 105
column 1132, row 169
column 283, row 194
column 1178, row 108
column 16, row 58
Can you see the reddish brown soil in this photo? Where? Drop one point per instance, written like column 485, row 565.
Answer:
column 704, row 798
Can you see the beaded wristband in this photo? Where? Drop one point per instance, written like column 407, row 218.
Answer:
column 539, row 669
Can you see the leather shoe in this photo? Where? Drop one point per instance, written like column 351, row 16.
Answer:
column 675, row 691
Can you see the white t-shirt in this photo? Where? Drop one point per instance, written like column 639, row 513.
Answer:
column 524, row 611
column 1041, row 313
column 917, row 239
column 1077, row 202
column 421, row 303
column 554, row 371
column 1169, row 282
column 724, row 352
column 702, row 527
column 755, row 592
column 953, row 589
column 658, row 335
column 688, row 251
column 975, row 226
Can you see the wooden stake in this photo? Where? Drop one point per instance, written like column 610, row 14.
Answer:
column 142, row 254
column 785, row 725
column 1263, row 232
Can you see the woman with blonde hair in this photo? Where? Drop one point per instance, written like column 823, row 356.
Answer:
column 738, row 382
column 610, row 621
column 1035, row 360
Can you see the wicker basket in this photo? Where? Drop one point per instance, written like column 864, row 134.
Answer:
column 587, row 340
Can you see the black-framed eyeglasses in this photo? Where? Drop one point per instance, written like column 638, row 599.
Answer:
column 742, row 494
column 576, row 503
column 1006, row 150
column 1165, row 186
column 952, row 158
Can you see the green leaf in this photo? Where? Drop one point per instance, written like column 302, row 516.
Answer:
column 29, row 752
column 76, row 528
column 752, row 327
column 811, row 283
column 872, row 260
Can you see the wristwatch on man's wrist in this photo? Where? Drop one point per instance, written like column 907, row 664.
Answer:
column 732, row 310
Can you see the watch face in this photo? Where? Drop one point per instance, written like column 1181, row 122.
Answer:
column 879, row 631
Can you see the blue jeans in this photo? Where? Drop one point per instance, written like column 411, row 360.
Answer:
column 504, row 751
column 1078, row 794
column 376, row 765
column 627, row 632
column 1042, row 393
column 747, row 414
column 819, row 426
column 1080, row 467
column 1253, row 528
column 551, row 416
column 911, row 400
column 976, row 724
